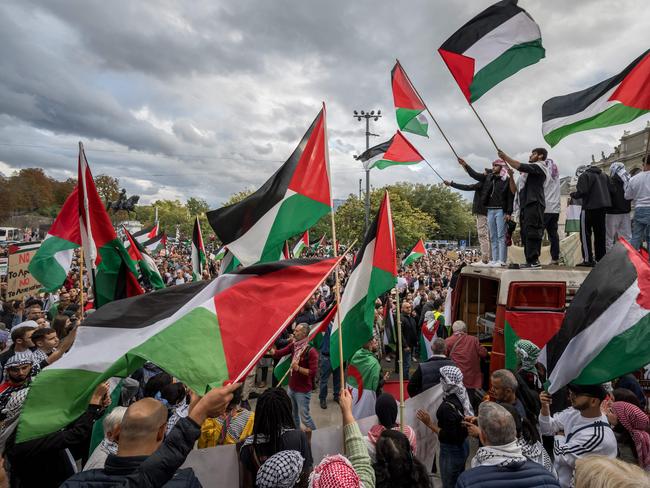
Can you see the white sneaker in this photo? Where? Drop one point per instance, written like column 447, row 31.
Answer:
column 502, row 264
column 494, row 264
column 479, row 264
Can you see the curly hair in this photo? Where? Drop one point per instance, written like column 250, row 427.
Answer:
column 272, row 414
column 396, row 467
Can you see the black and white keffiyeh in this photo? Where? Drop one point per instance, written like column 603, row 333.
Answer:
column 451, row 379
column 282, row 470
column 508, row 455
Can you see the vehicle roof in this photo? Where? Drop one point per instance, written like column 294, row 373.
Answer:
column 572, row 276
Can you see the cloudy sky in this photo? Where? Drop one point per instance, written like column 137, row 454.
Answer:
column 207, row 98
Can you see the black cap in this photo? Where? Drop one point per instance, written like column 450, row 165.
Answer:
column 595, row 391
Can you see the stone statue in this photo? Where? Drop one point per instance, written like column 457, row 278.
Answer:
column 123, row 203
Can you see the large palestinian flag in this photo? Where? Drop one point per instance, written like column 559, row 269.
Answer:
column 429, row 331
column 395, row 151
column 198, row 252
column 414, row 254
column 301, row 245
column 147, row 265
column 492, row 46
column 363, row 376
column 196, row 332
column 51, row 263
column 537, row 327
column 110, row 269
column 374, row 273
column 155, row 243
column 315, row 339
column 617, row 100
column 290, row 202
column 408, row 104
column 606, row 330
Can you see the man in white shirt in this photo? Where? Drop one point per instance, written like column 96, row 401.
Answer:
column 638, row 190
column 552, row 209
column 581, row 430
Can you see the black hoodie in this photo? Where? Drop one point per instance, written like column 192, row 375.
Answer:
column 593, row 189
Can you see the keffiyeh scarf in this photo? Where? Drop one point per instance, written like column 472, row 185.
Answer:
column 527, row 354
column 10, row 413
column 508, row 455
column 552, row 169
column 536, row 453
column 503, row 173
column 619, row 169
column 636, row 422
column 282, row 470
column 451, row 380
column 334, row 472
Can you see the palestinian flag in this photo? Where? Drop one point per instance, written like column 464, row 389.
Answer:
column 229, row 263
column 285, row 254
column 301, row 245
column 408, row 104
column 363, row 380
column 429, row 332
column 145, row 234
column 155, row 243
column 492, row 46
column 111, row 271
column 193, row 331
column 573, row 215
column 147, row 265
column 318, row 244
column 315, row 339
column 395, row 151
column 51, row 263
column 220, row 253
column 374, row 272
column 606, row 329
column 198, row 252
column 290, row 202
column 617, row 100
column 416, row 253
column 537, row 327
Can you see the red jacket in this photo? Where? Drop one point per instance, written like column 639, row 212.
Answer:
column 299, row 382
column 467, row 356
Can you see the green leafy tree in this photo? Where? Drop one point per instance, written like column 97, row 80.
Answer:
column 108, row 187
column 197, row 206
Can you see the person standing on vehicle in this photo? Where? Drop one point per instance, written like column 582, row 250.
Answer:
column 552, row 208
column 532, row 202
column 617, row 220
column 593, row 189
column 638, row 190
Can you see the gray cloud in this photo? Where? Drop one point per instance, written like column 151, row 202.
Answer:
column 207, row 98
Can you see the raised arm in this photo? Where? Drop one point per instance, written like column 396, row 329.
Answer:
column 470, row 171
column 460, row 186
column 512, row 162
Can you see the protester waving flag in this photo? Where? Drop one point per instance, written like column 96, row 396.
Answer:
column 374, row 273
column 301, row 245
column 51, row 263
column 198, row 251
column 363, row 374
column 314, row 339
column 147, row 265
column 606, row 330
column 494, row 45
column 408, row 104
column 290, row 202
column 414, row 254
column 110, row 269
column 617, row 100
column 396, row 151
column 193, row 332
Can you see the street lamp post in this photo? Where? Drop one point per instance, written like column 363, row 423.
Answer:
column 367, row 115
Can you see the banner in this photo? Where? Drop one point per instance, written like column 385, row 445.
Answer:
column 219, row 466
column 20, row 282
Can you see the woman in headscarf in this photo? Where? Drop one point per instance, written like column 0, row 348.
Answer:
column 528, row 369
column 452, row 434
column 630, row 425
column 386, row 410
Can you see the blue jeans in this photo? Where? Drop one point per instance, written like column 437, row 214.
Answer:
column 300, row 408
column 407, row 364
column 640, row 227
column 325, row 371
column 497, row 229
column 452, row 462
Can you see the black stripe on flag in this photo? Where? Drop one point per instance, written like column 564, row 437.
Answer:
column 231, row 222
column 576, row 102
column 264, row 268
column 613, row 275
column 142, row 232
column 151, row 241
column 370, row 235
column 484, row 23
column 144, row 310
column 375, row 150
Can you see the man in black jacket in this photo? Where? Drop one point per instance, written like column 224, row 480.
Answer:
column 532, row 202
column 410, row 337
column 427, row 373
column 617, row 220
column 143, row 459
column 478, row 208
column 593, row 189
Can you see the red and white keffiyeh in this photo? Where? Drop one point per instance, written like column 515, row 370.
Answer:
column 636, row 422
column 334, row 472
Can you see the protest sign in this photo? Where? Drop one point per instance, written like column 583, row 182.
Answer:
column 20, row 282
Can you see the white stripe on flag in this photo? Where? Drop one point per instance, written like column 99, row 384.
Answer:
column 600, row 105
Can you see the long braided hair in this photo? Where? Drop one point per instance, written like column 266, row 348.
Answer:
column 272, row 416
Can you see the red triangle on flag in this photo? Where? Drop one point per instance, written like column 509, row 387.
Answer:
column 385, row 248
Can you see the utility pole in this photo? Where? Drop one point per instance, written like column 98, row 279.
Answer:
column 360, row 180
column 367, row 115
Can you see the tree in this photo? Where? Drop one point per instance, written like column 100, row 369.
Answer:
column 238, row 197
column 197, row 206
column 108, row 187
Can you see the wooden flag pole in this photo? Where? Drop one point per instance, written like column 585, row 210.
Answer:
column 484, row 126
column 337, row 294
column 81, row 280
column 429, row 112
column 400, row 362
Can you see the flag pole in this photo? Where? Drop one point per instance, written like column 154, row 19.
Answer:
column 429, row 112
column 434, row 170
column 81, row 280
column 647, row 144
column 401, row 362
column 484, row 126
